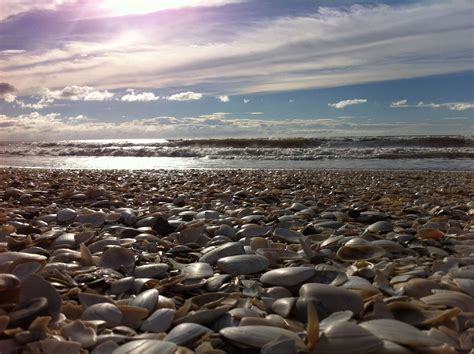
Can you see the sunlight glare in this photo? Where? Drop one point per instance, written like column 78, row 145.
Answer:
column 135, row 7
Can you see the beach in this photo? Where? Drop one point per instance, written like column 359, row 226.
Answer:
column 233, row 260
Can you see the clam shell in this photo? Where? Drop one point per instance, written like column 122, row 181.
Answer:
column 347, row 337
column 35, row 286
column 104, row 312
column 117, row 257
column 380, row 227
column 290, row 276
column 66, row 215
column 399, row 332
column 450, row 299
column 258, row 336
column 159, row 321
column 225, row 250
column 186, row 333
column 243, row 264
column 466, row 285
column 154, row 270
column 351, row 253
column 76, row 331
column 146, row 346
column 198, row 270
column 147, row 299
column 333, row 298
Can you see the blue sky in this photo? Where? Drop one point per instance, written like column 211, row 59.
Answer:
column 145, row 68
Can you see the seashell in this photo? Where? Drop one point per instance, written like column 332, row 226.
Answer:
column 66, row 215
column 450, row 298
column 89, row 299
column 283, row 306
column 347, row 337
column 429, row 233
column 414, row 315
column 147, row 299
column 290, row 276
column 287, row 235
column 132, row 316
column 155, row 270
column 356, row 252
column 185, row 333
column 333, row 298
column 198, row 270
column 204, row 316
column 281, row 345
column 227, row 249
column 208, row 215
column 252, row 230
column 399, row 332
column 259, row 242
column 466, row 285
column 104, row 312
column 243, row 264
column 6, row 257
column 215, row 282
column 301, row 308
column 159, row 321
column 23, row 315
column 258, row 336
column 146, row 346
column 106, row 347
column 122, row 285
column 35, row 286
column 53, row 346
column 418, row 287
column 339, row 316
column 277, row 292
column 117, row 257
column 380, row 227
column 76, row 331
column 94, row 219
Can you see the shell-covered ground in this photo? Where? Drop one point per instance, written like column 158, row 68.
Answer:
column 231, row 261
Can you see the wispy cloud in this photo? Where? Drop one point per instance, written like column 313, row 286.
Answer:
column 453, row 106
column 78, row 93
column 223, row 98
column 256, row 113
column 139, row 97
column 246, row 100
column 266, row 55
column 346, row 103
column 185, row 96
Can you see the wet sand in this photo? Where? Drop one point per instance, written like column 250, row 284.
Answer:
column 217, row 261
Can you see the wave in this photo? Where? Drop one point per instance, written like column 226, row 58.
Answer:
column 396, row 147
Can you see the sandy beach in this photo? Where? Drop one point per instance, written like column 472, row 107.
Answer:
column 231, row 261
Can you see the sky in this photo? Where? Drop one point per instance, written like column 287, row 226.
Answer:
column 89, row 69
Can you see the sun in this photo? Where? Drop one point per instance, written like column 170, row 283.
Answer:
column 135, row 7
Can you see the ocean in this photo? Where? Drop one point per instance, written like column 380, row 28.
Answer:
column 450, row 153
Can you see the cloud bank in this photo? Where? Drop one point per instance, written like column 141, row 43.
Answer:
column 453, row 106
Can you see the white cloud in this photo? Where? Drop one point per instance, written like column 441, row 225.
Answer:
column 223, row 98
column 291, row 100
column 311, row 54
column 9, row 97
column 246, row 100
column 41, row 104
column 400, row 103
column 78, row 93
column 139, row 97
column 453, row 106
column 185, row 96
column 14, row 7
column 345, row 103
column 256, row 113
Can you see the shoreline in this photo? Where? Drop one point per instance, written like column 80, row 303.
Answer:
column 204, row 259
